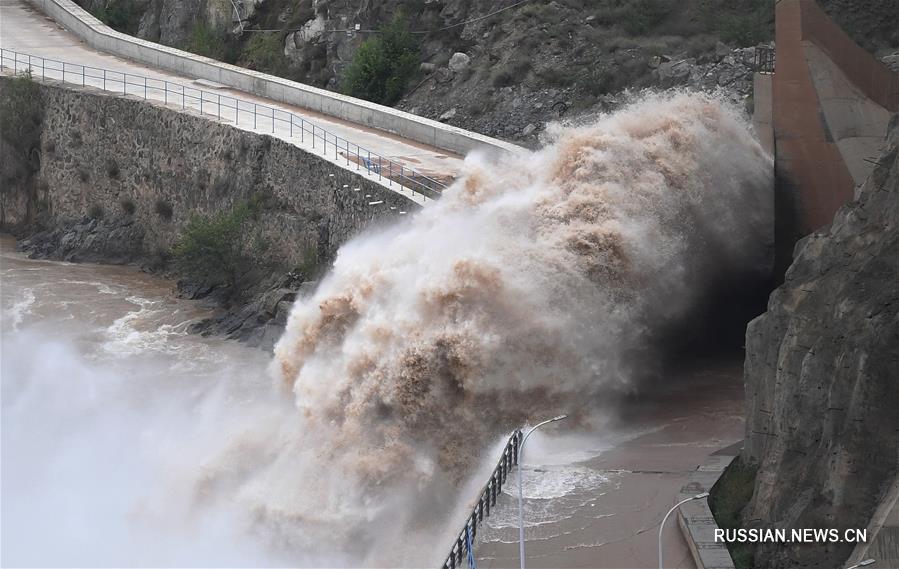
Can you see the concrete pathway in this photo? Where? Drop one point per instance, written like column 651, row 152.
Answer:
column 604, row 511
column 25, row 30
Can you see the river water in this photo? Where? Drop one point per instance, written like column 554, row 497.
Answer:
column 109, row 411
column 537, row 285
column 112, row 414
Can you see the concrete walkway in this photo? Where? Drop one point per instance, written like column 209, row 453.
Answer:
column 695, row 518
column 26, row 30
column 608, row 514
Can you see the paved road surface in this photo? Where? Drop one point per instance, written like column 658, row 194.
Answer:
column 595, row 501
column 24, row 29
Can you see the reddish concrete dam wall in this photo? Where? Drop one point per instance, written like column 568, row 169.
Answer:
column 832, row 105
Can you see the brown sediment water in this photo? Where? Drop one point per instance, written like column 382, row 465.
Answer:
column 533, row 287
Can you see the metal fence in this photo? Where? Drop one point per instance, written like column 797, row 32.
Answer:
column 486, row 502
column 227, row 109
column 763, row 60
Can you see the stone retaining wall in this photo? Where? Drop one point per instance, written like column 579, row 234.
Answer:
column 99, row 153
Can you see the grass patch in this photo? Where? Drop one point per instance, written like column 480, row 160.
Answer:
column 728, row 497
column 383, row 65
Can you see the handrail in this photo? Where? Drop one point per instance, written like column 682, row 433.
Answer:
column 486, row 501
column 287, row 123
column 763, row 59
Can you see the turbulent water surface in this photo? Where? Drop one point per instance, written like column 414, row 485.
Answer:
column 534, row 286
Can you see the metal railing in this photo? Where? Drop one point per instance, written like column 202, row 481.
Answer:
column 486, row 502
column 229, row 110
column 763, row 59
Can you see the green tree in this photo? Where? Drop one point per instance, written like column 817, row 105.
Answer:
column 211, row 249
column 21, row 113
column 383, row 65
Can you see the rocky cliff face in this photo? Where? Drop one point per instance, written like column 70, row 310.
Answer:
column 493, row 66
column 821, row 378
column 505, row 74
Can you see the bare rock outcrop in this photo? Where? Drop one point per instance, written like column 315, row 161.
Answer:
column 822, row 379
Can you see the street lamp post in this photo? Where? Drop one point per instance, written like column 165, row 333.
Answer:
column 862, row 563
column 676, row 506
column 520, row 491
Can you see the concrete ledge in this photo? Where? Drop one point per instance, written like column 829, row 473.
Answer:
column 422, row 130
column 695, row 518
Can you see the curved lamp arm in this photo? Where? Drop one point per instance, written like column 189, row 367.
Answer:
column 676, row 506
column 520, row 491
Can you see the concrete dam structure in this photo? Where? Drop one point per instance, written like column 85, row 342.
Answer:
column 832, row 106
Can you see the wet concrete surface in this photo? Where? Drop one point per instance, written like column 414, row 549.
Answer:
column 603, row 511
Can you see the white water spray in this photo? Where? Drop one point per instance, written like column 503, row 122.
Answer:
column 533, row 286
column 529, row 288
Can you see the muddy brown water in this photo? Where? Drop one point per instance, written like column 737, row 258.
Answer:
column 83, row 486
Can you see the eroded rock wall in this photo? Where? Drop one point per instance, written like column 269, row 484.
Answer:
column 822, row 378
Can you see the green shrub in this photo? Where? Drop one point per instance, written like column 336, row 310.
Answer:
column 265, row 52
column 128, row 206
column 211, row 249
column 383, row 65
column 738, row 22
column 639, row 17
column 163, row 209
column 112, row 169
column 514, row 71
column 21, row 114
column 207, row 42
column 311, row 265
column 120, row 15
column 559, row 76
column 728, row 497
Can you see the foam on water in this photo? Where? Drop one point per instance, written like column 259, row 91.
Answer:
column 21, row 308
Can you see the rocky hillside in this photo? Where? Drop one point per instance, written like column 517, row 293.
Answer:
column 820, row 374
column 519, row 64
column 517, row 69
